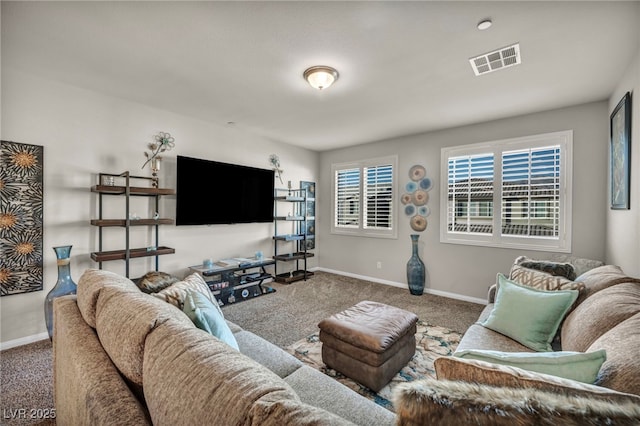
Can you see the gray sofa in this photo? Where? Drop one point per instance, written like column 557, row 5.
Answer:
column 123, row 357
column 605, row 316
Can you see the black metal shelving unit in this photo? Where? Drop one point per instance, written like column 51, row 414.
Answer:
column 128, row 191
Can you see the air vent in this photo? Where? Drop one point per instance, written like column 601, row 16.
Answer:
column 496, row 60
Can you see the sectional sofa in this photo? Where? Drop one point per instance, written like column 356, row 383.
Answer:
column 123, row 357
column 485, row 384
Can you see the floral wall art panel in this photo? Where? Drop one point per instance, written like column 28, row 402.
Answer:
column 21, row 225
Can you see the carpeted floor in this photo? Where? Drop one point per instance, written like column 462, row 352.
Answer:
column 294, row 310
column 26, row 385
column 284, row 317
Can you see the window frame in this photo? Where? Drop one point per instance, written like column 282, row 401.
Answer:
column 563, row 139
column 360, row 230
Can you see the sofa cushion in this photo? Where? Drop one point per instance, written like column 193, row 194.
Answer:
column 621, row 371
column 444, row 402
column 176, row 292
column 542, row 280
column 192, row 378
column 602, row 277
column 561, row 269
column 598, row 314
column 207, row 316
column 580, row 366
column 267, row 354
column 314, row 387
column 91, row 282
column 471, row 370
column 123, row 322
column 480, row 337
column 528, row 315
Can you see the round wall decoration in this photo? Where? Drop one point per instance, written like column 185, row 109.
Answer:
column 417, row 172
column 416, row 197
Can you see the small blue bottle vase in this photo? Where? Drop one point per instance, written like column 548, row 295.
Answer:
column 415, row 269
column 64, row 286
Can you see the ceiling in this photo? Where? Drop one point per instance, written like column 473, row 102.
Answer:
column 404, row 66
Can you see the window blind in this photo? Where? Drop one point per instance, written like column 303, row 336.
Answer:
column 347, row 198
column 378, row 186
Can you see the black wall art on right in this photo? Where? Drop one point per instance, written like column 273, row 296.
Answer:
column 621, row 153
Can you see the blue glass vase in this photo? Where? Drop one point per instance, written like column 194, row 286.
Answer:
column 64, row 286
column 415, row 269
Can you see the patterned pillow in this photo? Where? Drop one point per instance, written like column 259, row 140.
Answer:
column 542, row 280
column 554, row 268
column 153, row 281
column 177, row 292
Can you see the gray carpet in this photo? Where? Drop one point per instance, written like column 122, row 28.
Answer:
column 26, row 385
column 283, row 317
column 294, row 310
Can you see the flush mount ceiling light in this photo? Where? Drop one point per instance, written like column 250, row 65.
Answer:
column 321, row 76
column 484, row 24
column 496, row 60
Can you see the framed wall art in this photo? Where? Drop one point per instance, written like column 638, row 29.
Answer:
column 21, row 226
column 620, row 127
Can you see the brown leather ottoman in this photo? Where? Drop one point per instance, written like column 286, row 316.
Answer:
column 369, row 342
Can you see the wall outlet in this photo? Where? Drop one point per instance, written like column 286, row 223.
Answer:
column 379, row 265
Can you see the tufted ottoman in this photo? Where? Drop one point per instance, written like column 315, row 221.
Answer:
column 369, row 342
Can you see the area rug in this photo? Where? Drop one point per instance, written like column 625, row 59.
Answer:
column 431, row 343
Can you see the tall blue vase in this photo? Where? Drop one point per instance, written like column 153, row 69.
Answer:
column 415, row 269
column 64, row 286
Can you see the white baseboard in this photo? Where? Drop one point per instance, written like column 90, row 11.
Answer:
column 23, row 341
column 403, row 285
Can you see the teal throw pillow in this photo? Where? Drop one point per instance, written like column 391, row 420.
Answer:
column 580, row 366
column 208, row 317
column 527, row 315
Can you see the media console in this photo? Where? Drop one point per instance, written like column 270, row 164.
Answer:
column 237, row 282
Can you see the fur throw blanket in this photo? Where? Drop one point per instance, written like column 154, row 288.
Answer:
column 443, row 403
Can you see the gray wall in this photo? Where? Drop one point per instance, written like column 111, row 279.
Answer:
column 623, row 226
column 85, row 133
column 467, row 271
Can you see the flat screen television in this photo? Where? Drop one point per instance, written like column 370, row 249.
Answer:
column 210, row 192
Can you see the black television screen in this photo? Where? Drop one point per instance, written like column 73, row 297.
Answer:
column 211, row 192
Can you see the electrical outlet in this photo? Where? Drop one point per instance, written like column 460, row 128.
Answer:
column 379, row 265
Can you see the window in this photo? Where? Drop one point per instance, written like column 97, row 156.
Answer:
column 364, row 198
column 510, row 193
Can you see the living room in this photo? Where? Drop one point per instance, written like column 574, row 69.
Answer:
column 87, row 131
column 79, row 81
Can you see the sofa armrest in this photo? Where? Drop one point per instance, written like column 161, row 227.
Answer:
column 449, row 402
column 491, row 296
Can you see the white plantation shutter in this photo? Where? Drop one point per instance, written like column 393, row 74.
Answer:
column 347, row 198
column 513, row 193
column 531, row 192
column 378, row 192
column 470, row 194
column 364, row 198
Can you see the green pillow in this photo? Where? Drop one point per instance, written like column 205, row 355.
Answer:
column 527, row 315
column 580, row 366
column 208, row 317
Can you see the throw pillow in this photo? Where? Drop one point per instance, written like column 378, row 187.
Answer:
column 207, row 316
column 528, row 315
column 542, row 280
column 154, row 281
column 176, row 292
column 580, row 366
column 554, row 268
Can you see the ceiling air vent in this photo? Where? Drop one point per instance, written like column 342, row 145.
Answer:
column 496, row 60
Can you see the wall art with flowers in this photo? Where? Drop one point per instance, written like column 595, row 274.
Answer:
column 21, row 214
